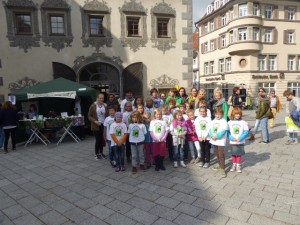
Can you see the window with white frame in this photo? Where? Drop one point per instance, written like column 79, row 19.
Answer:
column 205, row 47
column 212, row 45
column 272, row 62
column 228, row 64
column 209, row 9
column 212, row 25
column 298, row 63
column 217, row 4
column 262, row 62
column 230, row 36
column 295, row 88
column 223, row 41
column 267, row 86
column 242, row 34
column 291, row 13
column 223, row 19
column 206, row 28
column 221, row 66
column 212, row 67
column 255, row 9
column 255, row 34
column 243, row 10
column 291, row 37
column 291, row 62
column 268, row 11
column 206, row 68
column 268, row 35
column 225, row 91
column 231, row 14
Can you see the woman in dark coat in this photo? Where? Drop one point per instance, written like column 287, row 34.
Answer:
column 9, row 120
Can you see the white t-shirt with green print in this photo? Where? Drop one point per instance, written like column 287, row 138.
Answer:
column 202, row 125
column 119, row 129
column 137, row 132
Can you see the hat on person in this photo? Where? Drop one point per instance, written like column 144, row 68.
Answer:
column 118, row 115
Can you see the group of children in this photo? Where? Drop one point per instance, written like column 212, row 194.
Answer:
column 149, row 131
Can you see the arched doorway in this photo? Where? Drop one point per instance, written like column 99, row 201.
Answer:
column 102, row 76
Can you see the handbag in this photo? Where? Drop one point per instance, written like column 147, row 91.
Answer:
column 270, row 114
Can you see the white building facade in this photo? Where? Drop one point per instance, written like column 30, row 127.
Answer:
column 109, row 45
column 250, row 44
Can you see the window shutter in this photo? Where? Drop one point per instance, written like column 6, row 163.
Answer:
column 285, row 37
column 275, row 12
column 202, row 48
column 275, row 35
column 219, row 42
column 202, row 30
column 285, row 13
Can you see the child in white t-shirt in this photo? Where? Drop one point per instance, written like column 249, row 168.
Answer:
column 107, row 123
column 238, row 131
column 137, row 131
column 202, row 124
column 158, row 131
column 127, row 120
column 119, row 134
column 218, row 135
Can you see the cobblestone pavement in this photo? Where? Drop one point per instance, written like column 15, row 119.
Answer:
column 66, row 185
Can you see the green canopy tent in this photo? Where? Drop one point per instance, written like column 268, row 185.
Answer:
column 58, row 88
column 53, row 95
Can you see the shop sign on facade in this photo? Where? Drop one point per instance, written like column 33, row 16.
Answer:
column 265, row 77
column 215, row 78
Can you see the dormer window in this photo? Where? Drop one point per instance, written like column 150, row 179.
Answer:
column 209, row 9
column 217, row 4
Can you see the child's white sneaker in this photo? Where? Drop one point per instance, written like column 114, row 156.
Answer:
column 233, row 168
column 238, row 168
column 182, row 164
column 175, row 164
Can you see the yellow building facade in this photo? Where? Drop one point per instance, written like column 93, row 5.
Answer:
column 250, row 44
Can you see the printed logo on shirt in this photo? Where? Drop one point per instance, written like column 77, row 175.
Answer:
column 158, row 129
column 118, row 131
column 179, row 129
column 135, row 131
column 202, row 126
column 236, row 129
column 215, row 128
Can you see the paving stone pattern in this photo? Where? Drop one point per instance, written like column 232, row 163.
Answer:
column 65, row 185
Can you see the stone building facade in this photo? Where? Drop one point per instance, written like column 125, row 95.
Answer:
column 110, row 45
column 250, row 44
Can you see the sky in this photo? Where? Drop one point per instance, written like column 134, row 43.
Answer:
column 199, row 8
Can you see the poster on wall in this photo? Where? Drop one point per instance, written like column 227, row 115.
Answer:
column 12, row 99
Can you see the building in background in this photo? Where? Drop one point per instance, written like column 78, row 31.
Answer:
column 250, row 44
column 109, row 45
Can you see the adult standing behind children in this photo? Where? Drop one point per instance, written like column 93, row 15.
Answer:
column 234, row 100
column 96, row 116
column 220, row 103
column 9, row 120
column 128, row 98
column 275, row 105
column 192, row 97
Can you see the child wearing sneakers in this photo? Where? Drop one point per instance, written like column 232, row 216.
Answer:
column 218, row 135
column 158, row 131
column 178, row 129
column 237, row 133
column 127, row 120
column 202, row 124
column 119, row 134
column 137, row 131
column 107, row 123
column 192, row 137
